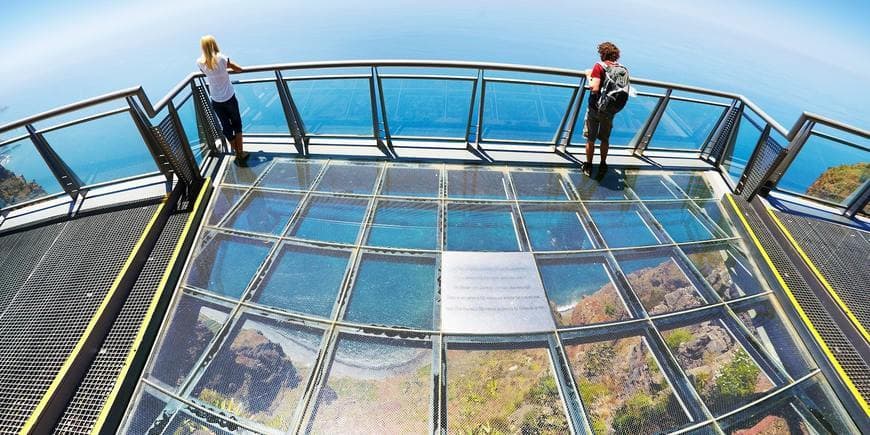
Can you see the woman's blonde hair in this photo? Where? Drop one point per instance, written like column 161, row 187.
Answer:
column 209, row 51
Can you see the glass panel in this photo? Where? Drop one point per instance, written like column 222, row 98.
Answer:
column 225, row 199
column 766, row 325
column 611, row 187
column 506, row 390
column 294, row 175
column 225, row 264
column 651, row 186
column 737, row 156
column 375, row 385
column 155, row 413
column 693, row 185
column 659, row 282
column 622, row 387
column 680, row 222
column 725, row 268
column 685, row 125
column 333, row 106
column 304, row 279
column 722, row 372
column 827, row 170
column 405, row 224
column 409, row 283
column 264, row 212
column 248, row 173
column 581, row 291
column 261, row 109
column 477, row 227
column 476, row 183
column 23, row 174
column 621, row 225
column 331, row 219
column 261, row 370
column 191, row 125
column 104, row 149
column 713, row 211
column 191, row 328
column 555, row 228
column 539, row 186
column 184, row 422
column 420, row 182
column 358, row 179
column 427, row 107
column 515, row 111
column 147, row 409
column 627, row 124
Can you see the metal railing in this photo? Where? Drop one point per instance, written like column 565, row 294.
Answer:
column 479, row 104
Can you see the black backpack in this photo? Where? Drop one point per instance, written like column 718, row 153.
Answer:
column 614, row 89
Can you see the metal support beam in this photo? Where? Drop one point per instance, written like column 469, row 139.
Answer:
column 290, row 115
column 209, row 122
column 753, row 161
column 792, row 151
column 653, row 123
column 569, row 114
column 479, row 136
column 64, row 175
column 471, row 103
column 376, row 122
column 151, row 142
column 723, row 128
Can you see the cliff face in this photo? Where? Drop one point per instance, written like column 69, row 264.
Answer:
column 838, row 182
column 14, row 188
column 664, row 288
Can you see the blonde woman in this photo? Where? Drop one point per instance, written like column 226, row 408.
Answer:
column 215, row 66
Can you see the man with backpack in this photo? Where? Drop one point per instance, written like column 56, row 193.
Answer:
column 609, row 87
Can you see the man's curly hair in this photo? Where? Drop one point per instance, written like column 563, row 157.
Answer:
column 608, row 51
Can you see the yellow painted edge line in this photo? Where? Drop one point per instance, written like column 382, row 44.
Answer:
column 821, row 278
column 803, row 315
column 152, row 307
column 40, row 407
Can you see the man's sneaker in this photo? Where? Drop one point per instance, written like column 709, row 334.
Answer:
column 587, row 169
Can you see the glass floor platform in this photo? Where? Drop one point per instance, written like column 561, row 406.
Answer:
column 313, row 301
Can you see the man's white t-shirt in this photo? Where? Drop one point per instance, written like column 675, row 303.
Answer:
column 219, row 84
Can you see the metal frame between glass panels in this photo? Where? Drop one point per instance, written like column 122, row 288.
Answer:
column 640, row 322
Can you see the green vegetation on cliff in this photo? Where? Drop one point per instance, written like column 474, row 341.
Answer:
column 838, row 182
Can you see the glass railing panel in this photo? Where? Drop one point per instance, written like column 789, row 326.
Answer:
column 627, row 124
column 193, row 129
column 828, row 170
column 522, row 112
column 685, row 125
column 333, row 106
column 23, row 174
column 737, row 155
column 260, row 107
column 103, row 149
column 427, row 107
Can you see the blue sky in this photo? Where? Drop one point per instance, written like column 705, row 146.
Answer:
column 57, row 52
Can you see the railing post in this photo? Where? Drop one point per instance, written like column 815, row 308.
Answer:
column 471, row 103
column 576, row 113
column 569, row 114
column 859, row 202
column 150, row 140
column 383, row 109
column 650, row 128
column 478, row 137
column 64, row 175
column 376, row 123
column 794, row 148
column 753, row 160
column 723, row 134
column 290, row 115
column 205, row 120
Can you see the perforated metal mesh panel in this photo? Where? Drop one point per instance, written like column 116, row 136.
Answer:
column 716, row 146
column 767, row 157
column 51, row 311
column 854, row 366
column 172, row 146
column 206, row 120
column 90, row 397
column 19, row 254
column 841, row 255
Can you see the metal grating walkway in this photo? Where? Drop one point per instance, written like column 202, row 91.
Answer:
column 841, row 254
column 853, row 366
column 44, row 321
column 19, row 253
column 90, row 397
